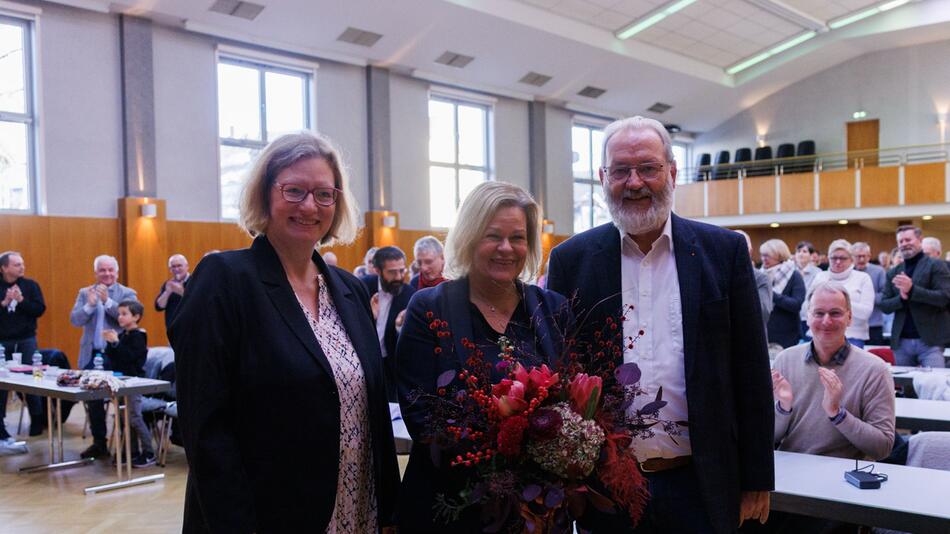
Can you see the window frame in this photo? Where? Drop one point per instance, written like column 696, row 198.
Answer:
column 457, row 98
column 591, row 124
column 28, row 20
column 263, row 63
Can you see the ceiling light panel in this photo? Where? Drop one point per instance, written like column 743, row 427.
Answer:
column 535, row 79
column 237, row 8
column 453, row 59
column 591, row 91
column 359, row 37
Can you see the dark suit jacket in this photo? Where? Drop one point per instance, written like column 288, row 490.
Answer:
column 418, row 368
column 725, row 356
column 785, row 323
column 400, row 301
column 258, row 404
column 927, row 302
column 171, row 307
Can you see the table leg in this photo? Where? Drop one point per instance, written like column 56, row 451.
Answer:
column 52, row 458
column 49, row 425
column 128, row 481
column 59, row 426
column 117, row 432
column 128, row 439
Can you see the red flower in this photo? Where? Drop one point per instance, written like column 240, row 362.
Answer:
column 584, row 392
column 509, row 397
column 511, row 434
column 537, row 377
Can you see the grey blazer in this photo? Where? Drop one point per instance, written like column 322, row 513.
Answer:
column 85, row 317
column 927, row 302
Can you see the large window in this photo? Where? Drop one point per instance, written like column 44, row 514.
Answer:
column 590, row 208
column 459, row 159
column 683, row 167
column 17, row 166
column 257, row 103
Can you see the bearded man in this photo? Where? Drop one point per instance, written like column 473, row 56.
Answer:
column 689, row 288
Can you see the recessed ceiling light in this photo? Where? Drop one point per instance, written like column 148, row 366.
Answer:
column 774, row 225
column 842, row 221
column 927, row 217
column 861, row 15
column 777, row 49
column 657, row 15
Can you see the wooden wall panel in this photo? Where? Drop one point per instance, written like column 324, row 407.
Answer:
column 723, row 197
column 688, row 200
column 925, row 183
column 30, row 237
column 798, row 192
column 821, row 236
column 879, row 186
column 758, row 195
column 144, row 245
column 836, row 190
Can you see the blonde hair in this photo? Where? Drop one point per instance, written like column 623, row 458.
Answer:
column 777, row 249
column 473, row 217
column 840, row 244
column 282, row 153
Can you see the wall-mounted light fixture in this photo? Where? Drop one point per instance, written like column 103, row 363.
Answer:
column 842, row 221
column 149, row 211
column 860, row 114
column 774, row 225
column 547, row 227
column 927, row 217
column 389, row 221
column 760, row 140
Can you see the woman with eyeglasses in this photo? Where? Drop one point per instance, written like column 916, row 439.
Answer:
column 859, row 285
column 282, row 401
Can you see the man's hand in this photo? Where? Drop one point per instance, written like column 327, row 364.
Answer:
column 400, row 319
column 831, row 401
column 10, row 295
column 782, row 390
column 374, row 305
column 91, row 295
column 175, row 287
column 754, row 505
column 903, row 283
column 103, row 292
column 110, row 336
column 17, row 294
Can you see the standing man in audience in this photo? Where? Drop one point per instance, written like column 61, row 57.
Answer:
column 97, row 310
column 389, row 295
column 932, row 247
column 428, row 253
column 918, row 292
column 689, row 286
column 861, row 252
column 169, row 296
column 22, row 305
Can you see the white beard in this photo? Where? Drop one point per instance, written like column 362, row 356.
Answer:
column 634, row 221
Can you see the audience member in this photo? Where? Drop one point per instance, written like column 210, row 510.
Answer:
column 896, row 257
column 763, row 286
column 126, row 352
column 823, row 262
column 861, row 252
column 788, row 293
column 884, row 260
column 389, row 295
column 859, row 285
column 330, row 259
column 169, row 296
column 428, row 254
column 366, row 269
column 931, row 247
column 96, row 310
column 22, row 305
column 918, row 291
column 805, row 258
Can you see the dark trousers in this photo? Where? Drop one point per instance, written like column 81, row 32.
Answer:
column 876, row 336
column 675, row 506
column 34, row 404
column 97, row 420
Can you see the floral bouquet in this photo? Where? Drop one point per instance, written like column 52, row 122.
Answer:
column 543, row 445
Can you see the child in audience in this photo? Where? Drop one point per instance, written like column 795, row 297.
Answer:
column 126, row 353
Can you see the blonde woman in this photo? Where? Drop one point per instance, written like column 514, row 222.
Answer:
column 788, row 293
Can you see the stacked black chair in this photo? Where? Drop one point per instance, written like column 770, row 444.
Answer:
column 705, row 160
column 742, row 155
column 722, row 159
column 786, row 150
column 761, row 153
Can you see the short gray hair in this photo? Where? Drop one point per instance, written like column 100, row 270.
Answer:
column 427, row 243
column 638, row 123
column 829, row 287
column 858, row 246
column 932, row 242
column 477, row 211
column 839, row 244
column 173, row 256
column 104, row 257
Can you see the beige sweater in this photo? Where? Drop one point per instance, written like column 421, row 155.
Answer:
column 867, row 430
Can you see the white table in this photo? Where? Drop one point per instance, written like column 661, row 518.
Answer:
column 904, row 376
column 47, row 388
column 918, row 414
column 913, row 499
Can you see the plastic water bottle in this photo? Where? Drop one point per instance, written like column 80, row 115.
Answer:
column 3, row 362
column 37, row 366
column 97, row 362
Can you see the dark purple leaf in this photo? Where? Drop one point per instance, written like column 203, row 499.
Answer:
column 530, row 492
column 642, row 426
column 627, row 374
column 445, row 379
column 554, row 497
column 652, row 407
column 659, row 394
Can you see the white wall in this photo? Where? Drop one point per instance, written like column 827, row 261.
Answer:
column 904, row 87
column 512, row 156
column 560, row 178
column 80, row 117
column 341, row 115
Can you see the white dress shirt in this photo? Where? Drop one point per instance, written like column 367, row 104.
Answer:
column 650, row 285
column 385, row 302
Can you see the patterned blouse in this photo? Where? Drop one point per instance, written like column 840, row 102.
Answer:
column 355, row 507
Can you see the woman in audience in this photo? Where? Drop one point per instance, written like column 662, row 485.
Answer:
column 859, row 285
column 488, row 260
column 788, row 293
column 280, row 384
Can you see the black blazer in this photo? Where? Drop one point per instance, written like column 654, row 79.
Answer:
column 927, row 301
column 418, row 367
column 258, row 404
column 400, row 301
column 725, row 355
column 785, row 323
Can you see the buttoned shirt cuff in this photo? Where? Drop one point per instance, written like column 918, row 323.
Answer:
column 838, row 418
column 779, row 409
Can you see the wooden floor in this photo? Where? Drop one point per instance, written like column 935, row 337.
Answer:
column 54, row 501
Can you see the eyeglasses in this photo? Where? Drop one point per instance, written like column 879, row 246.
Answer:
column 324, row 196
column 834, row 314
column 839, row 258
column 646, row 171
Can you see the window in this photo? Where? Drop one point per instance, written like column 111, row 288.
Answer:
column 458, row 154
column 17, row 165
column 257, row 103
column 683, row 168
column 590, row 208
